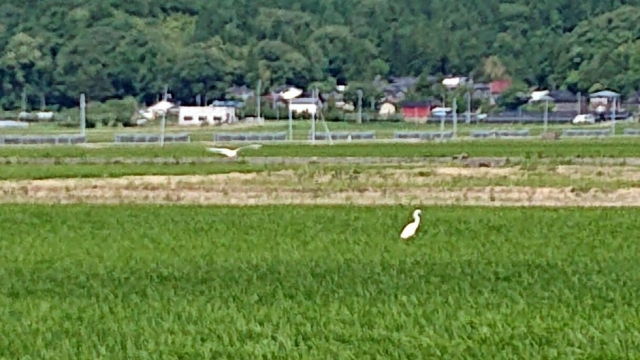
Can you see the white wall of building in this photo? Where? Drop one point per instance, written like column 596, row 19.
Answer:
column 300, row 108
column 211, row 115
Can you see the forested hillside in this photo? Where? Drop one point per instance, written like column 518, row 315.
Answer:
column 114, row 48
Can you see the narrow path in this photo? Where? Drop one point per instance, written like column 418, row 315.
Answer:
column 495, row 161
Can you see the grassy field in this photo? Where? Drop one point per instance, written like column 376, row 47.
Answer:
column 619, row 147
column 317, row 283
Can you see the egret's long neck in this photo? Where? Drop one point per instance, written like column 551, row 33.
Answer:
column 416, row 218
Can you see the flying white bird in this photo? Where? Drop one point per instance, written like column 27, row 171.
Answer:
column 232, row 153
column 411, row 227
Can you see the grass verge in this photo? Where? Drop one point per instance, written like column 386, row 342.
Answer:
column 620, row 147
column 66, row 171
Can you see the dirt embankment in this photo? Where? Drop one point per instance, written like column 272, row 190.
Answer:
column 388, row 186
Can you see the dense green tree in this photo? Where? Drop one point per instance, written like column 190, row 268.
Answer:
column 112, row 49
column 515, row 97
column 26, row 66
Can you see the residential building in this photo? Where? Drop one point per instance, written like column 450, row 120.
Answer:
column 195, row 115
column 604, row 101
column 497, row 87
column 416, row 110
column 308, row 105
column 394, row 94
column 454, row 82
column 564, row 101
column 216, row 114
column 336, row 96
column 396, row 89
column 481, row 91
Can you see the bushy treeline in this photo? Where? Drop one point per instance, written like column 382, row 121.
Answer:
column 112, row 49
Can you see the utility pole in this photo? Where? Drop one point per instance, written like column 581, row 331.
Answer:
column 290, row 120
column 359, row 106
column 313, row 117
column 546, row 114
column 468, row 114
column 83, row 118
column 164, row 116
column 258, row 99
column 455, row 116
column 24, row 100
column 613, row 117
column 275, row 105
column 579, row 104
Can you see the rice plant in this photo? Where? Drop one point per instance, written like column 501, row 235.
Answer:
column 178, row 282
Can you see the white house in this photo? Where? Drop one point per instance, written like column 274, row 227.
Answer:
column 300, row 105
column 210, row 115
column 195, row 115
column 225, row 111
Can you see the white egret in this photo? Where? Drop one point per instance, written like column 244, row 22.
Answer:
column 232, row 153
column 411, row 227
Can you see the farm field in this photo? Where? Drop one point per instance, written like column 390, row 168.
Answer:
column 585, row 148
column 116, row 282
column 123, row 251
column 523, row 184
